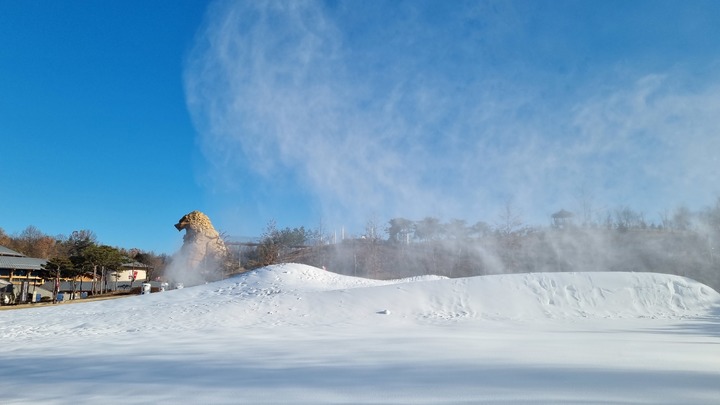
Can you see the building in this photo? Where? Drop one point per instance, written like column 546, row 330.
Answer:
column 133, row 271
column 18, row 270
column 21, row 278
column 131, row 274
column 16, row 267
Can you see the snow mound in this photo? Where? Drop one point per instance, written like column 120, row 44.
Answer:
column 293, row 276
column 330, row 297
column 307, row 297
column 568, row 295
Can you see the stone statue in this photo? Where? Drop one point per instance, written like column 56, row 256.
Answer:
column 203, row 249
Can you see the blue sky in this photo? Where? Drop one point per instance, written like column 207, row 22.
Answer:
column 122, row 116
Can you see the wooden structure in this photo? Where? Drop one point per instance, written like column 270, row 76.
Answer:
column 16, row 267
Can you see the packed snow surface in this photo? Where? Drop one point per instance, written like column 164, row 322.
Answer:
column 297, row 334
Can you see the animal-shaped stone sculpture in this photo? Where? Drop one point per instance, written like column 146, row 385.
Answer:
column 203, row 249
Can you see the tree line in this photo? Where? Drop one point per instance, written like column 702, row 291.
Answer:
column 79, row 255
column 681, row 242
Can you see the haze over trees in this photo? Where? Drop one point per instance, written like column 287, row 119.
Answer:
column 682, row 242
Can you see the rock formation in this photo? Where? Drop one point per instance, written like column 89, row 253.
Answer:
column 203, row 249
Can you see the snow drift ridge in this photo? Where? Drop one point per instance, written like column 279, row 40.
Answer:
column 515, row 296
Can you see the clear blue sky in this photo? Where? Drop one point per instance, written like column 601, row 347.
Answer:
column 122, row 116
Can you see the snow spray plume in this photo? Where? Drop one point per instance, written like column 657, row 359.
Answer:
column 180, row 271
column 279, row 87
column 365, row 109
column 202, row 255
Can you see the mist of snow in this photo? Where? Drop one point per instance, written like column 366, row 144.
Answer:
column 301, row 95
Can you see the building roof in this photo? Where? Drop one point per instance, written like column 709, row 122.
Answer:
column 21, row 263
column 9, row 252
column 10, row 259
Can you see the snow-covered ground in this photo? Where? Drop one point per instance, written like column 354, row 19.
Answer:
column 297, row 334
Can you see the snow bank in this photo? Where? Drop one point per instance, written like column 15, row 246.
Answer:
column 568, row 295
column 307, row 293
column 599, row 294
column 307, row 297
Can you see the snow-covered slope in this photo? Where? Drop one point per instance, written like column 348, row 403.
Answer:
column 297, row 334
column 300, row 295
column 517, row 296
column 299, row 291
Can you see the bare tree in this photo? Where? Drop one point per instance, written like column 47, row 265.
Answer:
column 4, row 238
column 371, row 248
column 32, row 242
column 510, row 221
column 682, row 218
